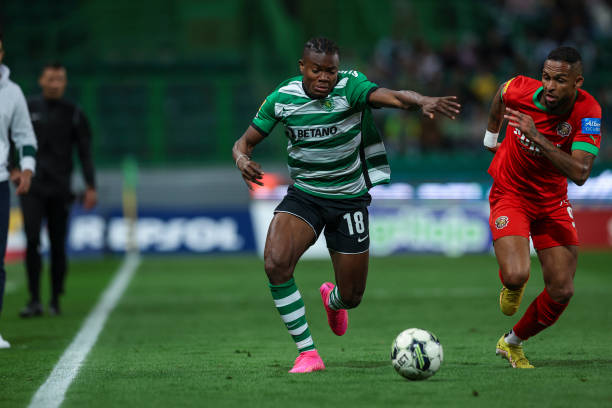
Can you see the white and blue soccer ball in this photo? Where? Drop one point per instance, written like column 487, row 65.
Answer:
column 416, row 354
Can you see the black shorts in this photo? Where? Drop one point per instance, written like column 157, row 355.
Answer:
column 346, row 221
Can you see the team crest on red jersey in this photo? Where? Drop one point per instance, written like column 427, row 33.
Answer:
column 564, row 129
column 501, row 222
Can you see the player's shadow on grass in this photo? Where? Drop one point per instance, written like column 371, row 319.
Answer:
column 358, row 364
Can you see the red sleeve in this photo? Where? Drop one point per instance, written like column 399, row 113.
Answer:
column 588, row 134
column 509, row 88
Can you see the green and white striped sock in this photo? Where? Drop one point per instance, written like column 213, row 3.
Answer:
column 335, row 303
column 290, row 305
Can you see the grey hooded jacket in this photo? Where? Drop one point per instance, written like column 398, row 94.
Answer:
column 15, row 122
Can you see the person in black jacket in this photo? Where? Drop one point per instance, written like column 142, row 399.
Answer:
column 60, row 126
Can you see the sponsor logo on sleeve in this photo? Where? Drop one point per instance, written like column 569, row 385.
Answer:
column 591, row 126
column 501, row 222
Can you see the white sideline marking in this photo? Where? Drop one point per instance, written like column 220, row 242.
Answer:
column 52, row 393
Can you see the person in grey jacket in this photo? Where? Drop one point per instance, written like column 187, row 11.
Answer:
column 14, row 123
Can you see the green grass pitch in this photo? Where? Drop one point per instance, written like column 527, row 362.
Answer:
column 203, row 331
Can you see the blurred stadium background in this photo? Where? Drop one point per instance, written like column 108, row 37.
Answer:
column 170, row 85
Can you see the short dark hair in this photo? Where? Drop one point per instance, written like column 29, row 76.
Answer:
column 52, row 65
column 321, row 45
column 565, row 54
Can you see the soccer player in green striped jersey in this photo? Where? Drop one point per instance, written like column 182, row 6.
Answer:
column 335, row 155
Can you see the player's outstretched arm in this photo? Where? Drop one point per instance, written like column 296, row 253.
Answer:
column 242, row 150
column 577, row 166
column 496, row 116
column 410, row 100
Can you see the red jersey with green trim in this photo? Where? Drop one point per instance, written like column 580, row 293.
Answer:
column 519, row 166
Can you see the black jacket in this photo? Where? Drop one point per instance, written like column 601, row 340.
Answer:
column 60, row 126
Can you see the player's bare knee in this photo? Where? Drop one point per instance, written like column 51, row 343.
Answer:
column 279, row 270
column 515, row 278
column 353, row 299
column 565, row 296
column 561, row 294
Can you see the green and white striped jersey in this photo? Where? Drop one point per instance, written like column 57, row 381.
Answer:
column 331, row 139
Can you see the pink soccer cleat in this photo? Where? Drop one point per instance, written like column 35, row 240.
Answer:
column 307, row 362
column 337, row 319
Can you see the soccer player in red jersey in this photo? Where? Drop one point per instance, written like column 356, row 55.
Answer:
column 553, row 134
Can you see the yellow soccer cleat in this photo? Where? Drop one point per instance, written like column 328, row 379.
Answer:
column 510, row 300
column 513, row 353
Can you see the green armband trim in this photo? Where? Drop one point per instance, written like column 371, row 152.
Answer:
column 28, row 150
column 587, row 147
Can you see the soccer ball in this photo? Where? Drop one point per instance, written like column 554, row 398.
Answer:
column 416, row 354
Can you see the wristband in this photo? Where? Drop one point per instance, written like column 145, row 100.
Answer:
column 240, row 156
column 490, row 139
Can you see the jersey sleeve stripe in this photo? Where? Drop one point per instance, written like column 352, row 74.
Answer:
column 379, row 175
column 260, row 130
column 370, row 93
column 587, row 147
column 505, row 88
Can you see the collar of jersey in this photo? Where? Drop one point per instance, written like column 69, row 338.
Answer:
column 536, row 101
